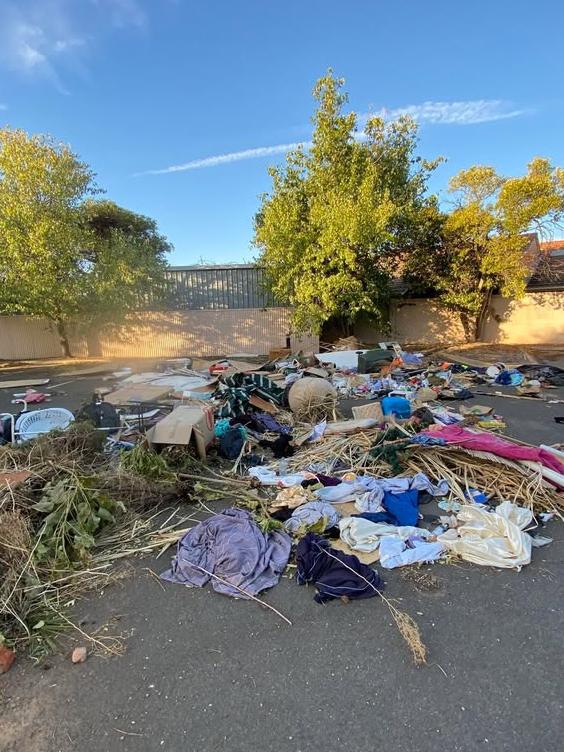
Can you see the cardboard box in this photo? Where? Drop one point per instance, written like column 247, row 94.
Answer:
column 184, row 424
column 372, row 410
column 281, row 352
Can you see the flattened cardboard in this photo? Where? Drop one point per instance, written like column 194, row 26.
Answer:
column 237, row 366
column 184, row 423
column 13, row 478
column 138, row 393
column 90, row 370
column 363, row 556
column 262, row 404
column 209, row 387
column 313, row 371
column 281, row 352
column 205, row 391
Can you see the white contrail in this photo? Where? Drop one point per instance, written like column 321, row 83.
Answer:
column 445, row 113
column 234, row 156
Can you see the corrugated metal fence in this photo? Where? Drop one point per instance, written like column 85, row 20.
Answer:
column 216, row 287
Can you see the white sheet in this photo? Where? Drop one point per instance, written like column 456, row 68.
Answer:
column 494, row 539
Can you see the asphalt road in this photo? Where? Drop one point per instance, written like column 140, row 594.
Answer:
column 204, row 672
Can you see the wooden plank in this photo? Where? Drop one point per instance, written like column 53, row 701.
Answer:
column 16, row 383
column 91, row 370
column 133, row 393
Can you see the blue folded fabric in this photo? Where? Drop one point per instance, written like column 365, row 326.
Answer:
column 401, row 509
column 426, row 440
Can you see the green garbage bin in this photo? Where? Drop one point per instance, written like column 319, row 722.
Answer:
column 373, row 360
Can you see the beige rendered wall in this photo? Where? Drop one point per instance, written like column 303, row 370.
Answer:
column 423, row 321
column 538, row 318
column 23, row 337
column 160, row 334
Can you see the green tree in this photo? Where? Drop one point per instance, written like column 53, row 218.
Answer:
column 63, row 256
column 125, row 257
column 330, row 230
column 484, row 238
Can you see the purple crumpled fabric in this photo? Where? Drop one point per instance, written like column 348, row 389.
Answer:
column 233, row 547
column 269, row 423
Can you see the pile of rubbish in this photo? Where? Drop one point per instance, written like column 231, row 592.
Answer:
column 416, row 476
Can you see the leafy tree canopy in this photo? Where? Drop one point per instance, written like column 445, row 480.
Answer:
column 329, row 232
column 63, row 255
column 484, row 243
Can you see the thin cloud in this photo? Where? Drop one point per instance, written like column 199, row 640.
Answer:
column 63, row 45
column 453, row 113
column 439, row 113
column 3, row 107
column 38, row 38
column 28, row 41
column 234, row 156
column 123, row 12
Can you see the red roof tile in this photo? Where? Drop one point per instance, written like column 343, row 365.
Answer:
column 552, row 245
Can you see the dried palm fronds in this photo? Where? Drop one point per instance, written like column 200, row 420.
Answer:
column 347, row 451
column 137, row 492
column 314, row 407
column 53, row 524
column 78, row 446
column 499, row 478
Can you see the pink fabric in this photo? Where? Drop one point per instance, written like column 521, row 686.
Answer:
column 484, row 441
column 32, row 397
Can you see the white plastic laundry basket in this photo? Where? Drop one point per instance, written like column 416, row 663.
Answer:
column 30, row 425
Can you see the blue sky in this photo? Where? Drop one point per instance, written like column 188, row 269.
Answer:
column 146, row 85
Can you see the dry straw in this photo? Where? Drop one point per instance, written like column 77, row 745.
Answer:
column 406, row 625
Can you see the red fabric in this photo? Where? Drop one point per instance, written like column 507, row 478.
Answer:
column 484, row 441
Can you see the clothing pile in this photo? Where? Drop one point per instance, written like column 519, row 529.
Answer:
column 333, row 573
column 231, row 550
column 343, row 512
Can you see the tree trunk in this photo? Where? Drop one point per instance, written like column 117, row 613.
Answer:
column 63, row 339
column 468, row 325
column 482, row 315
column 344, row 326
